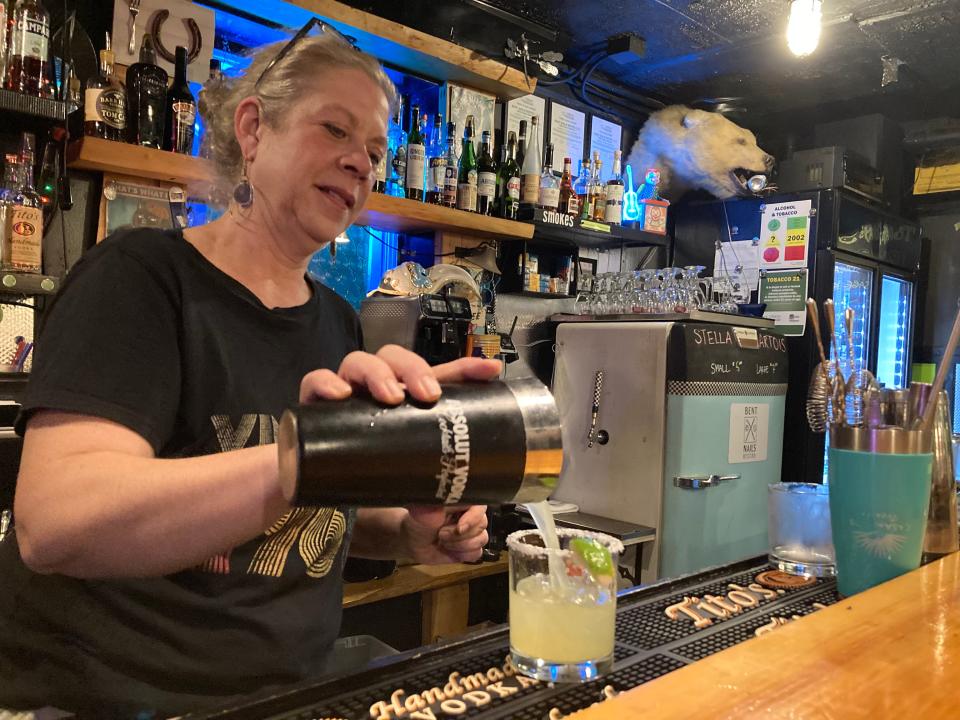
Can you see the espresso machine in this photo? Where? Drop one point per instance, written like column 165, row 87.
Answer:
column 677, row 426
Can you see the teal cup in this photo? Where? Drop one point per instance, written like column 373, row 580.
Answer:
column 878, row 503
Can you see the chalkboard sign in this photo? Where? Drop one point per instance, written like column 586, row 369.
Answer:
column 704, row 352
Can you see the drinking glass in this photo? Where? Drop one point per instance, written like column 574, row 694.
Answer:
column 561, row 622
column 801, row 541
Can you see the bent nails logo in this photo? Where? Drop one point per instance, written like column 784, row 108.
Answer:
column 879, row 544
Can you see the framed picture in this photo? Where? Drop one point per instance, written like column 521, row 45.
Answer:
column 586, row 267
column 133, row 202
column 605, row 138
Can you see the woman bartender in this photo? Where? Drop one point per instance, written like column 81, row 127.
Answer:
column 157, row 567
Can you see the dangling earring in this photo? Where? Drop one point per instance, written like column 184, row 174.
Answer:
column 333, row 250
column 243, row 191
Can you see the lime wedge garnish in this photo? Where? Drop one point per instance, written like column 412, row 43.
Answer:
column 595, row 556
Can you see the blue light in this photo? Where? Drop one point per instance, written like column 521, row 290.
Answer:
column 631, row 209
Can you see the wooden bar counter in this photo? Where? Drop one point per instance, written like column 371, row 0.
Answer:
column 890, row 652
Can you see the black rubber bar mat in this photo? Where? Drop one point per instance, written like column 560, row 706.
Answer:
column 711, row 611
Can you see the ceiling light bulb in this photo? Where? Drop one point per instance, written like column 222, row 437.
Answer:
column 803, row 28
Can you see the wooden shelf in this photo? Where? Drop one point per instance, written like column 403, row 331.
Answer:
column 386, row 212
column 936, row 179
column 412, row 50
column 123, row 159
column 383, row 212
column 555, row 228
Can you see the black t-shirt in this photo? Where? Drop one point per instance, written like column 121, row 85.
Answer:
column 147, row 333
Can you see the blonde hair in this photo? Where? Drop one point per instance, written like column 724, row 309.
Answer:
column 287, row 82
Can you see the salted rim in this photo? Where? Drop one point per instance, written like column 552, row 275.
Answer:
column 514, row 544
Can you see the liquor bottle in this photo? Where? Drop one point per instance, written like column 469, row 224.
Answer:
column 569, row 202
column 521, row 143
column 104, row 102
column 416, row 155
column 613, row 203
column 467, row 175
column 180, row 109
column 549, row 184
column 486, row 177
column 597, row 207
column 582, row 185
column 214, row 83
column 437, row 162
column 11, row 174
column 530, row 176
column 28, row 48
column 146, row 97
column 3, row 42
column 397, row 150
column 25, row 216
column 508, row 182
column 451, row 168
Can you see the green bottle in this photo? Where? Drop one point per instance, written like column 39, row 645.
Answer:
column 467, row 177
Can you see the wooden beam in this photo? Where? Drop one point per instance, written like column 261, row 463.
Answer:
column 420, row 53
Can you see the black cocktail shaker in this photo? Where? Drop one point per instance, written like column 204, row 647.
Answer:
column 494, row 442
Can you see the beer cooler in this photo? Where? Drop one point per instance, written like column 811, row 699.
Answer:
column 860, row 255
column 677, row 426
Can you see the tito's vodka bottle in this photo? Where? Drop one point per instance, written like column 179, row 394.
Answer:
column 25, row 216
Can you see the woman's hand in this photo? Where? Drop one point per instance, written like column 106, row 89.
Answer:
column 435, row 534
column 385, row 374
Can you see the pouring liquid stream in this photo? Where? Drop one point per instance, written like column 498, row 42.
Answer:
column 543, row 517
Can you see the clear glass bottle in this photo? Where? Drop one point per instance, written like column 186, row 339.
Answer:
column 437, row 160
column 181, row 109
column 486, row 177
column 531, row 169
column 28, row 50
column 11, row 179
column 104, row 101
column 467, row 175
column 25, row 216
column 397, row 151
column 451, row 168
column 416, row 158
column 597, row 194
column 613, row 199
column 941, row 533
column 549, row 197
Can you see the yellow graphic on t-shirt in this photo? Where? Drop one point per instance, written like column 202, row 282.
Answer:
column 317, row 531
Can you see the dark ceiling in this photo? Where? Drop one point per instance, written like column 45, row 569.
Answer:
column 707, row 49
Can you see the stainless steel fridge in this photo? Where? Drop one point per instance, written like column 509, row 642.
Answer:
column 862, row 257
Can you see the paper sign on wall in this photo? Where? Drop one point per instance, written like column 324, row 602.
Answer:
column 749, row 428
column 785, row 235
column 605, row 137
column 784, row 292
column 524, row 108
column 566, row 134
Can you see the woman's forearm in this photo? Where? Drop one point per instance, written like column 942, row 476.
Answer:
column 105, row 513
column 378, row 534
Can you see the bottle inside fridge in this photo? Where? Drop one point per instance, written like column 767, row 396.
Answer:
column 893, row 339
